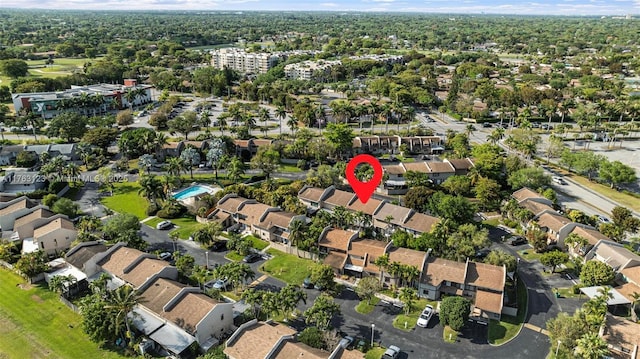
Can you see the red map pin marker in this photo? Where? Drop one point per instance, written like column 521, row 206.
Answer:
column 364, row 190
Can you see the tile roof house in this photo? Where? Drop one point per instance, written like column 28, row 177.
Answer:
column 623, row 337
column 335, row 240
column 85, row 256
column 557, row 227
column 132, row 266
column 24, row 226
column 613, row 254
column 589, row 233
column 365, row 251
column 275, row 341
column 52, row 237
column 8, row 154
column 274, row 224
column 203, row 318
column 16, row 208
column 336, row 198
column 483, row 283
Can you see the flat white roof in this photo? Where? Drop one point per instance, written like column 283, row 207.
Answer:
column 29, row 246
column 172, row 338
column 616, row 297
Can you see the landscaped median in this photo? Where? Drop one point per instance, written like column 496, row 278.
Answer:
column 509, row 327
column 364, row 307
column 407, row 322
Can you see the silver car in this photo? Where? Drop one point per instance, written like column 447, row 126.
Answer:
column 425, row 316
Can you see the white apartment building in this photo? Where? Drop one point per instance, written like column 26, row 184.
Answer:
column 242, row 61
column 308, row 70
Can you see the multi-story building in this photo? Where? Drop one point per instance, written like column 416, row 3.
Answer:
column 88, row 100
column 309, row 70
column 242, row 61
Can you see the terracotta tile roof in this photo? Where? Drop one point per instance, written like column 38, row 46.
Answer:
column 59, row 223
column 484, row 275
column 535, row 207
column 294, row 350
column 219, row 216
column 143, row 271
column 280, row 219
column 257, row 340
column 186, row 312
column 241, row 143
column 524, row 193
column 488, row 301
column 463, row 164
column 337, row 239
column 627, row 290
column 621, row 332
column 368, row 208
column 407, row 256
column 117, row 261
column 416, row 167
column 360, row 247
column 251, row 212
column 189, row 310
column 263, row 142
column 195, row 144
column 27, row 218
column 350, row 354
column 18, row 205
column 312, row 194
column 398, row 213
column 440, row 167
column 553, row 221
column 421, row 223
column 171, row 145
column 231, row 204
column 632, row 274
column 339, row 198
column 355, row 262
column 394, row 169
column 335, row 260
column 440, row 270
column 614, row 254
column 590, row 234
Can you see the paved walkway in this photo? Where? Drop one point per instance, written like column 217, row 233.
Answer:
column 536, row 329
column 259, row 280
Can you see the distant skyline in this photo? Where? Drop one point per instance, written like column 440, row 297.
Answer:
column 541, row 7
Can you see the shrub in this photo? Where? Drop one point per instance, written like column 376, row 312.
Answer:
column 37, row 194
column 172, row 210
column 454, row 312
column 575, row 289
column 313, row 337
column 152, row 209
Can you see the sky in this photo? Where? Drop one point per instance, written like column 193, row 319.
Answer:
column 539, row 7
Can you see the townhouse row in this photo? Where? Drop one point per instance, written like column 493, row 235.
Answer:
column 35, row 226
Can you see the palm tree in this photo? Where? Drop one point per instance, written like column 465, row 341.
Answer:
column 191, row 157
column 122, row 301
column 408, row 297
column 292, row 122
column 383, row 263
column 215, row 154
column 130, row 95
column 145, row 162
column 264, row 116
column 235, row 169
column 222, row 121
column 386, row 112
column 150, row 188
column 249, row 121
column 591, row 346
column 281, row 114
column 297, row 230
column 175, row 165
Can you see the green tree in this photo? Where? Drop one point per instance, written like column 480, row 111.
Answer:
column 185, row 124
column 68, row 126
column 499, row 258
column 119, row 224
column 100, row 137
column 191, row 157
column 322, row 311
column 566, row 330
column 408, row 297
column 124, row 118
column 67, row 207
column 340, row 136
column 553, row 259
column 185, row 264
column 267, row 160
column 623, row 218
column 14, row 68
column 487, row 193
column 121, row 302
column 289, row 297
column 454, row 312
column 313, row 337
column 533, row 178
column 235, row 170
column 367, row 287
column 596, row 273
column 591, row 346
column 322, row 275
column 616, row 173
column 31, row 264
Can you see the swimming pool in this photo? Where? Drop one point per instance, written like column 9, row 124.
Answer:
column 192, row 191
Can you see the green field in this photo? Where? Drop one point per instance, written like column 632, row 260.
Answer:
column 35, row 324
column 125, row 199
column 257, row 243
column 61, row 67
column 287, row 267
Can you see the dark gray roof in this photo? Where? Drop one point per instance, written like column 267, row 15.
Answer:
column 82, row 255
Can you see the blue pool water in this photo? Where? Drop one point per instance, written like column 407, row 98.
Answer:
column 191, row 191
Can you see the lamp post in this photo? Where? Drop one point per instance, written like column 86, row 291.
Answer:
column 558, row 347
column 206, row 254
column 373, row 333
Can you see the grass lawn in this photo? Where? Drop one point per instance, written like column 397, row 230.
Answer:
column 287, row 267
column 530, row 255
column 449, row 335
column 35, row 324
column 365, row 308
column 187, row 225
column 502, row 331
column 286, row 167
column 624, row 199
column 568, row 293
column 375, row 353
column 257, row 243
column 234, row 256
column 412, row 318
column 125, row 199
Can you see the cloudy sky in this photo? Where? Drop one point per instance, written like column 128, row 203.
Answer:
column 539, row 7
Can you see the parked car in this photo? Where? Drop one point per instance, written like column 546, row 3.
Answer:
column 425, row 316
column 517, row 240
column 220, row 283
column 486, row 125
column 603, row 219
column 165, row 256
column 218, row 246
column 306, row 283
column 164, row 225
column 346, row 342
column 482, row 253
column 392, row 352
column 252, row 257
